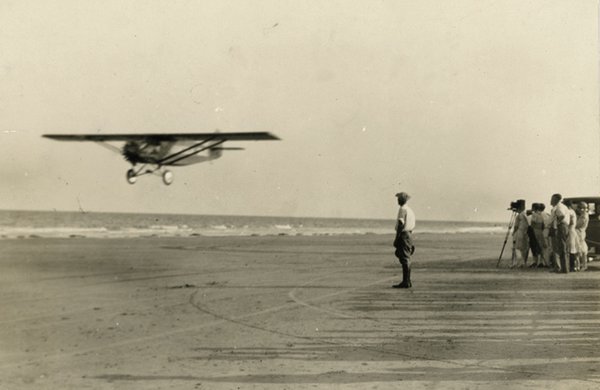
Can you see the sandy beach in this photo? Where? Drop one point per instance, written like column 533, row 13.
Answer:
column 292, row 312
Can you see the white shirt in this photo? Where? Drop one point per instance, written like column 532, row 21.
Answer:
column 559, row 214
column 407, row 217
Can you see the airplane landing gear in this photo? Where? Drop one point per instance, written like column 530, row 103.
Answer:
column 131, row 176
column 133, row 173
column 167, row 177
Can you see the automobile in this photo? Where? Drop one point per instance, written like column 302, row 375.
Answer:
column 593, row 230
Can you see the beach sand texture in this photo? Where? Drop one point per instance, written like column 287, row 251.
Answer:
column 290, row 312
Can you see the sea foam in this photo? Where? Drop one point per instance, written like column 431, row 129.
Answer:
column 33, row 224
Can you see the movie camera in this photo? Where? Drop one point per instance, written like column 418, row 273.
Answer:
column 516, row 207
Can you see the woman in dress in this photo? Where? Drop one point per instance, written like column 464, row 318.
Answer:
column 539, row 248
column 581, row 225
column 520, row 238
column 572, row 239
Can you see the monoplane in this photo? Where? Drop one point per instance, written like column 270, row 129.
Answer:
column 150, row 153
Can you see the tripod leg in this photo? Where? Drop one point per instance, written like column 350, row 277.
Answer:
column 510, row 225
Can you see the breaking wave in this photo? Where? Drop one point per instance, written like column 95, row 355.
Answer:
column 29, row 224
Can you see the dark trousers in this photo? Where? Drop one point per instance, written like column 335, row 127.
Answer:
column 559, row 244
column 404, row 247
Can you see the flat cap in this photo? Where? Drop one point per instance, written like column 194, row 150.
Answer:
column 403, row 196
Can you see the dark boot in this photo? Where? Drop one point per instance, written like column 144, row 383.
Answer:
column 405, row 278
column 564, row 264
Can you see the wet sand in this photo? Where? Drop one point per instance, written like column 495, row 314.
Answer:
column 290, row 312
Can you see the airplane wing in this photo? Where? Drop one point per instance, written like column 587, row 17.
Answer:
column 168, row 137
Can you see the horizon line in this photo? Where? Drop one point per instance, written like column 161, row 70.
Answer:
column 235, row 215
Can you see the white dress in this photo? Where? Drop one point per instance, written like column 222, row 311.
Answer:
column 520, row 234
column 580, row 227
column 572, row 239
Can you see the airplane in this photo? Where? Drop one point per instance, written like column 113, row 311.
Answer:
column 154, row 151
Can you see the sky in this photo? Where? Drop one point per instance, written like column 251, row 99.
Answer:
column 466, row 105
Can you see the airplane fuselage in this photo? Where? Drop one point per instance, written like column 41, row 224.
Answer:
column 155, row 153
column 145, row 152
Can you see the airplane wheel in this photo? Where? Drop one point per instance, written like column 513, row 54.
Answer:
column 131, row 177
column 167, row 177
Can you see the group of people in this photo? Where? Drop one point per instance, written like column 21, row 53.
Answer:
column 556, row 239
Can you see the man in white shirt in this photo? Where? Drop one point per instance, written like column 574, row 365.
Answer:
column 405, row 223
column 560, row 226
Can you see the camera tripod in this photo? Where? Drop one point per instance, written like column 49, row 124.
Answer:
column 511, row 223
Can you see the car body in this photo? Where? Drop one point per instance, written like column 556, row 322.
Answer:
column 593, row 230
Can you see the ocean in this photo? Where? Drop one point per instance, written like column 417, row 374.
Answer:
column 33, row 224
